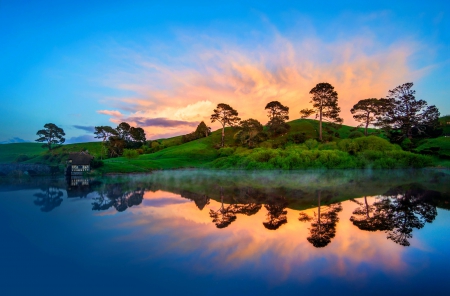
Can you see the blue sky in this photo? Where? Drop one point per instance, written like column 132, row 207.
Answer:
column 165, row 66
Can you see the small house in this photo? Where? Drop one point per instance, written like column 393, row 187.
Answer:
column 78, row 163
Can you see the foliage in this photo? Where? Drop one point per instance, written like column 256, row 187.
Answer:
column 278, row 114
column 404, row 116
column 324, row 99
column 96, row 163
column 249, row 133
column 52, row 134
column 297, row 138
column 355, row 134
column 225, row 115
column 201, row 131
column 366, row 111
column 130, row 153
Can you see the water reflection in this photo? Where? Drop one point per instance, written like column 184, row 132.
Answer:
column 398, row 212
column 323, row 226
column 118, row 196
column 49, row 199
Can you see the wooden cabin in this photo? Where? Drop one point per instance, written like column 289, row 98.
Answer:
column 78, row 163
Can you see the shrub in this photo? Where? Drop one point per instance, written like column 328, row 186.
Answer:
column 297, row 138
column 355, row 134
column 22, row 157
column 96, row 163
column 226, row 151
column 311, row 144
column 130, row 153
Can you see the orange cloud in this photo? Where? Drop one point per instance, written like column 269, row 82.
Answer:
column 247, row 79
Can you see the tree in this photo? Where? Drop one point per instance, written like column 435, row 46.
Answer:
column 104, row 132
column 138, row 135
column 248, row 130
column 403, row 114
column 203, row 130
column 123, row 130
column 278, row 114
column 225, row 115
column 50, row 198
column 52, row 134
column 324, row 99
column 366, row 111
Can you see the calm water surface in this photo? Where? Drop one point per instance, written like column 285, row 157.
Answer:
column 215, row 233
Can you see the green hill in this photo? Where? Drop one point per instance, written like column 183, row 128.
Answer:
column 205, row 152
column 10, row 152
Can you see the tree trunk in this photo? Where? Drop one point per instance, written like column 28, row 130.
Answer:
column 367, row 207
column 223, row 135
column 320, row 124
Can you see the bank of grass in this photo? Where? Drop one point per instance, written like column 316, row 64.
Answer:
column 437, row 146
column 10, row 152
column 360, row 153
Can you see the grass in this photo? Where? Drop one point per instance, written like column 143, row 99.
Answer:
column 363, row 152
column 10, row 152
column 437, row 146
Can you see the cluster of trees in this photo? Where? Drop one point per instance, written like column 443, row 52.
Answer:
column 200, row 132
column 115, row 140
column 400, row 115
column 251, row 131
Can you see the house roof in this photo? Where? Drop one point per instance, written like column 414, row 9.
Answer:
column 80, row 158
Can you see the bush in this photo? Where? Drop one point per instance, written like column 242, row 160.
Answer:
column 22, row 157
column 96, row 163
column 311, row 144
column 297, row 138
column 226, row 151
column 355, row 134
column 130, row 153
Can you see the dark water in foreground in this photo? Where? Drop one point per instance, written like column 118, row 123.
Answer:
column 215, row 233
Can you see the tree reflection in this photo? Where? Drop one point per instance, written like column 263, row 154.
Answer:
column 276, row 213
column 372, row 217
column 224, row 215
column 398, row 212
column 115, row 196
column 49, row 198
column 323, row 225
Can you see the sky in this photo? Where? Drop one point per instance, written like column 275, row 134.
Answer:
column 165, row 65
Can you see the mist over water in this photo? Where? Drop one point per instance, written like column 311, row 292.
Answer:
column 342, row 231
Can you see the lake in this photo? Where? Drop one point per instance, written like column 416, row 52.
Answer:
column 221, row 233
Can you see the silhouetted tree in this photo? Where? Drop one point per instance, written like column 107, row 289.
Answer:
column 366, row 111
column 123, row 131
column 114, row 195
column 323, row 225
column 49, row 198
column 104, row 132
column 225, row 115
column 403, row 114
column 276, row 213
column 223, row 216
column 410, row 208
column 138, row 135
column 202, row 130
column 372, row 217
column 324, row 99
column 278, row 114
column 51, row 134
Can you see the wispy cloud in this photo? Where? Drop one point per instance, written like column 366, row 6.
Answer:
column 85, row 128
column 187, row 87
column 160, row 122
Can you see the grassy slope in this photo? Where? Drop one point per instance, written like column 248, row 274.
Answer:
column 193, row 154
column 10, row 152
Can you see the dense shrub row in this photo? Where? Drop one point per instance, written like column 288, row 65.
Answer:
column 362, row 152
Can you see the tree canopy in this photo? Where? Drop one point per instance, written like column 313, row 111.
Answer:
column 225, row 115
column 324, row 99
column 278, row 114
column 404, row 115
column 51, row 134
column 366, row 111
